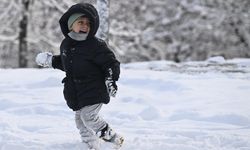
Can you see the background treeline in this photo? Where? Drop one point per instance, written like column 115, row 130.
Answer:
column 139, row 30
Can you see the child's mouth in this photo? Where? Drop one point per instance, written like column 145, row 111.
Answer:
column 82, row 32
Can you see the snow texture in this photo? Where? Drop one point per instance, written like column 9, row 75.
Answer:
column 159, row 106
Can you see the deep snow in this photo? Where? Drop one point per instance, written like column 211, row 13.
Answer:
column 160, row 105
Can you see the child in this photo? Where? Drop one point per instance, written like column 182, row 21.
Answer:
column 91, row 73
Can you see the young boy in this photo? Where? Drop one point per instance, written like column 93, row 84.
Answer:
column 91, row 73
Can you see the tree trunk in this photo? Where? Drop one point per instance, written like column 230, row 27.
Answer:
column 23, row 45
column 103, row 10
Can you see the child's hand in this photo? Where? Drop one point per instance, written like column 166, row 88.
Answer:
column 44, row 59
column 111, row 87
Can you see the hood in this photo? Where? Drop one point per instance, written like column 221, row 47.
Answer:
column 85, row 8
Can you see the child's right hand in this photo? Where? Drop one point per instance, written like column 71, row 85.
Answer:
column 44, row 59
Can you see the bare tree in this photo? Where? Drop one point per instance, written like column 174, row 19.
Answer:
column 23, row 25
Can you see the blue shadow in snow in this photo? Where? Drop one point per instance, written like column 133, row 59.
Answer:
column 158, row 85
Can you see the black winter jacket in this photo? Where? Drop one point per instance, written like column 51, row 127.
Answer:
column 86, row 63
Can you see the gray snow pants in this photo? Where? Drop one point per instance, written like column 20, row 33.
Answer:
column 89, row 122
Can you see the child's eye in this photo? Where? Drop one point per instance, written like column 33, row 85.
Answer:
column 83, row 23
column 80, row 22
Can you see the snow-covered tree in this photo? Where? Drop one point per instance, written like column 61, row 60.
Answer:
column 180, row 30
column 9, row 32
column 103, row 10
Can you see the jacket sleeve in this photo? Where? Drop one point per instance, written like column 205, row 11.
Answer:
column 57, row 62
column 105, row 58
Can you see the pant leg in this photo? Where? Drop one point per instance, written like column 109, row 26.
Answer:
column 87, row 134
column 90, row 115
column 89, row 122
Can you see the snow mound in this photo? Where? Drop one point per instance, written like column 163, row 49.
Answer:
column 216, row 59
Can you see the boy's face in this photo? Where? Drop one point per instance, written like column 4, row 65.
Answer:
column 81, row 25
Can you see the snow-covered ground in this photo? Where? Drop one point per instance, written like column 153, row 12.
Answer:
column 159, row 106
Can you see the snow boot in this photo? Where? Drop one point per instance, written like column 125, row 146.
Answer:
column 108, row 135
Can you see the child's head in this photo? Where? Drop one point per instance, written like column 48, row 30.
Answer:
column 79, row 23
column 68, row 21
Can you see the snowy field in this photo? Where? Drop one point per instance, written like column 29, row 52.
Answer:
column 159, row 106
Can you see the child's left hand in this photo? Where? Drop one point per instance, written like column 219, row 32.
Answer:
column 111, row 87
